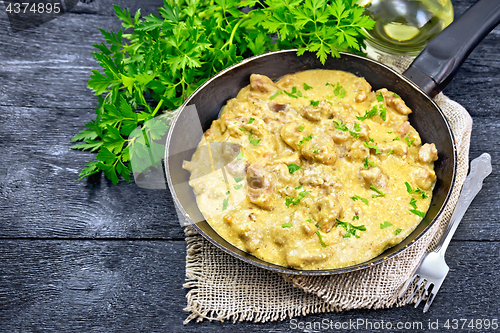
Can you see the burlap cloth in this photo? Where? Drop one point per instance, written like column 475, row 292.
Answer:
column 225, row 288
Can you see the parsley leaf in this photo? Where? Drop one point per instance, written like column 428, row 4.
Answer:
column 314, row 103
column 380, row 193
column 380, row 97
column 369, row 114
column 304, row 139
column 367, row 145
column 384, row 225
column 239, row 156
column 409, row 141
column 225, row 203
column 368, row 163
column 357, row 197
column 293, row 167
column 276, row 94
column 293, row 201
column 238, row 179
column 320, row 239
column 238, row 186
column 287, row 225
column 301, row 128
column 164, row 57
column 254, row 142
column 340, row 126
column 395, row 95
column 351, row 229
column 338, row 90
column 397, row 231
column 307, row 87
column 251, row 120
column 417, row 190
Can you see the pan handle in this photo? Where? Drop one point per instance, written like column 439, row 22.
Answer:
column 438, row 62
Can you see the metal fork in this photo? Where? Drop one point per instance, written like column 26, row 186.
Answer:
column 432, row 268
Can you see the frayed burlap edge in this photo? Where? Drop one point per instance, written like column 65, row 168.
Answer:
column 225, row 288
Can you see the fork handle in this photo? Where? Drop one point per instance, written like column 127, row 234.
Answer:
column 480, row 168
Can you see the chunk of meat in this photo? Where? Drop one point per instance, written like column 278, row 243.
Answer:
column 428, row 153
column 288, row 82
column 374, row 176
column 358, row 152
column 319, row 149
column 398, row 148
column 277, row 106
column 291, row 134
column 395, row 102
column 301, row 257
column 326, row 211
column 404, row 129
column 363, row 89
column 261, row 186
column 311, row 113
column 261, row 83
column 237, row 168
column 424, row 178
column 364, row 132
column 339, row 136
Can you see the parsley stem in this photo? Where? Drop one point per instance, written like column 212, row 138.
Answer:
column 157, row 107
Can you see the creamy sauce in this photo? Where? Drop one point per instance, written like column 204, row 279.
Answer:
column 310, row 172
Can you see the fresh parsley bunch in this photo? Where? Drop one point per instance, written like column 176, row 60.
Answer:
column 165, row 57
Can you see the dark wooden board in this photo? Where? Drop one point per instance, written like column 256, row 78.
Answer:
column 121, row 286
column 92, row 257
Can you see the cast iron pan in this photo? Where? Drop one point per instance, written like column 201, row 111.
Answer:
column 427, row 75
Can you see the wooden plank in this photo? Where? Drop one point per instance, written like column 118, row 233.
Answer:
column 95, row 286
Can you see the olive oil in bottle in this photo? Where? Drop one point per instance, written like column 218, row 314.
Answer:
column 405, row 26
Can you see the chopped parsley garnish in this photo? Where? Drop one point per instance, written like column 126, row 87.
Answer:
column 380, row 193
column 357, row 197
column 383, row 112
column 294, row 93
column 418, row 191
column 355, row 217
column 338, row 90
column 239, row 156
column 254, row 142
column 304, row 139
column 314, row 103
column 242, row 129
column 396, row 139
column 389, row 132
column 309, row 220
column 384, row 225
column 351, row 229
column 251, row 120
column 340, row 126
column 293, row 167
column 367, row 145
column 370, row 139
column 287, row 225
column 369, row 114
column 306, row 87
column 397, row 231
column 301, row 128
column 368, row 163
column 316, row 151
column 228, row 192
column 415, row 210
column 320, row 239
column 357, row 127
column 395, row 95
column 408, row 141
column 293, row 201
column 380, row 97
column 298, row 187
column 276, row 94
column 224, row 203
column 238, row 179
column 390, row 152
column 238, row 186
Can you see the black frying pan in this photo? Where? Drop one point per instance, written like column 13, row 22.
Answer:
column 427, row 75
